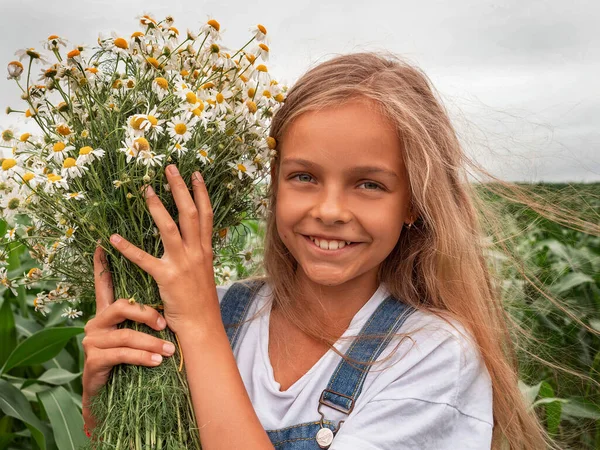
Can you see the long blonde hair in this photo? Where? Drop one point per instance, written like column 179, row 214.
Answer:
column 437, row 265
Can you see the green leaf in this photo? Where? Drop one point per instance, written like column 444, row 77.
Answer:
column 529, row 392
column 58, row 376
column 553, row 409
column 42, row 346
column 581, row 409
column 8, row 332
column 13, row 403
column 571, row 280
column 65, row 418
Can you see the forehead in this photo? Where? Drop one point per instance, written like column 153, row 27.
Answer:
column 353, row 133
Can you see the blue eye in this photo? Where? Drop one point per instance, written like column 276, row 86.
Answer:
column 377, row 186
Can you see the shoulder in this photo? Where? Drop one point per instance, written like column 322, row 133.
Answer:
column 439, row 362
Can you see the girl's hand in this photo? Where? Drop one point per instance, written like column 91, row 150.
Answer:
column 184, row 274
column 106, row 346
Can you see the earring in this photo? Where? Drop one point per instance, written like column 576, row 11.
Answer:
column 409, row 225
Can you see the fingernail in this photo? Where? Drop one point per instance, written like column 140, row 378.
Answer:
column 169, row 348
column 161, row 322
column 198, row 178
column 156, row 358
column 173, row 170
column 115, row 238
column 148, row 191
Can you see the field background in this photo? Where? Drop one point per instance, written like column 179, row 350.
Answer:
column 41, row 357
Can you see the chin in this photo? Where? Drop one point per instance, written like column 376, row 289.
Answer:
column 325, row 276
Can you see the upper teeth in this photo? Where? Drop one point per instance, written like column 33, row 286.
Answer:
column 329, row 245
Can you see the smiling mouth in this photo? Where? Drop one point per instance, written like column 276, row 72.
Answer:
column 342, row 245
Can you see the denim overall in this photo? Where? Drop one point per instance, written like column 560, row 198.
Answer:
column 345, row 385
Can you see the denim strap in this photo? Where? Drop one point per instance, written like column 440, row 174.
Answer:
column 235, row 306
column 345, row 385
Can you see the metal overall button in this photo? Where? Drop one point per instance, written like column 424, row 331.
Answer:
column 325, row 436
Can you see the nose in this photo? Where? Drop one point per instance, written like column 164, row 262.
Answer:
column 331, row 207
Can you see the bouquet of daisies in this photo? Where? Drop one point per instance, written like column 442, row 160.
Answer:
column 110, row 119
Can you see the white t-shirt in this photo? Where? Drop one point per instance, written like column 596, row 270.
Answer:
column 435, row 394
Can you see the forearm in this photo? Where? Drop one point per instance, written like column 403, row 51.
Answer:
column 225, row 415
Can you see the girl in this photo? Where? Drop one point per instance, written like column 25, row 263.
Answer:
column 375, row 324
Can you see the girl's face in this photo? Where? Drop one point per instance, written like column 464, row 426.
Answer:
column 341, row 177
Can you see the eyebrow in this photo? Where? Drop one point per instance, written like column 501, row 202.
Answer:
column 354, row 170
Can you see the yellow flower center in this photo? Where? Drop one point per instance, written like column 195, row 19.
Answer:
column 53, row 178
column 267, row 93
column 25, row 137
column 153, row 120
column 62, row 107
column 121, row 43
column 28, row 176
column 204, row 153
column 63, row 130
column 244, row 78
column 261, row 68
column 184, row 73
column 69, row 232
column 251, row 92
column 191, row 97
column 117, row 83
column 271, row 143
column 153, row 61
column 174, row 30
column 180, row 128
column 208, row 85
column 262, row 29
column 59, row 147
column 73, row 53
column 16, row 63
column 92, row 70
column 250, row 57
column 264, row 47
column 220, row 98
column 213, row 23
column 85, row 150
column 130, row 84
column 162, row 83
column 214, row 48
column 251, row 106
column 32, row 53
column 142, row 144
column 136, row 122
column 69, row 162
column 279, row 98
column 241, row 167
column 50, row 73
column 52, row 37
column 7, row 135
column 137, row 34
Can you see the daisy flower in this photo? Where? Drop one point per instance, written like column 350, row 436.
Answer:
column 15, row 69
column 10, row 168
column 6, row 282
column 180, row 150
column 149, row 158
column 71, row 169
column 261, row 73
column 54, row 182
column 116, row 44
column 36, row 56
column 160, row 86
column 74, row 195
column 39, row 303
column 202, row 156
column 260, row 33
column 133, row 146
column 213, row 29
column 263, row 51
column 11, row 203
column 53, row 42
column 88, row 154
column 219, row 100
column 243, row 167
column 179, row 128
column 11, row 234
column 71, row 313
column 60, row 150
column 8, row 136
column 69, row 235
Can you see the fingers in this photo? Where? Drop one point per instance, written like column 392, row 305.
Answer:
column 145, row 261
column 102, row 281
column 204, row 207
column 122, row 310
column 126, row 337
column 169, row 231
column 189, row 217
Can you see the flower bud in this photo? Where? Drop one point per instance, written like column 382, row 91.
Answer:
column 15, row 69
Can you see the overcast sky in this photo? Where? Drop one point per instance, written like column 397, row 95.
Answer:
column 520, row 77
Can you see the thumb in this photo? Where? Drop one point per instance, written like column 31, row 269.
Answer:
column 102, row 281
